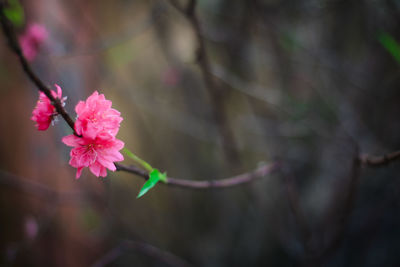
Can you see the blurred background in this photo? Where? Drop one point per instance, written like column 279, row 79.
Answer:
column 209, row 90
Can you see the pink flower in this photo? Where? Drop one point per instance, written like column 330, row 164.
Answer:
column 97, row 154
column 31, row 41
column 96, row 146
column 95, row 116
column 44, row 112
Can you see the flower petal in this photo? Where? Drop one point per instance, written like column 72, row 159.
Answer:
column 95, row 168
column 106, row 163
column 79, row 172
column 59, row 91
column 71, row 140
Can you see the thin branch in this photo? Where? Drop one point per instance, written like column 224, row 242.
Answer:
column 233, row 181
column 222, row 183
column 215, row 92
column 144, row 248
column 377, row 161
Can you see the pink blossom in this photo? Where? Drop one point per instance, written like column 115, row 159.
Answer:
column 31, row 41
column 96, row 146
column 97, row 154
column 95, row 115
column 44, row 112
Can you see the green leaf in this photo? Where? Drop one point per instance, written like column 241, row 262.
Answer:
column 143, row 163
column 154, row 176
column 391, row 45
column 15, row 13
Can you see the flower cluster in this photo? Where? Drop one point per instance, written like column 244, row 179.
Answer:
column 45, row 112
column 94, row 142
column 96, row 146
column 31, row 41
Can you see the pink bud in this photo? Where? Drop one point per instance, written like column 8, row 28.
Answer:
column 32, row 39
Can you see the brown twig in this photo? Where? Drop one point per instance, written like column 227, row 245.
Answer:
column 377, row 161
column 227, row 182
column 215, row 92
column 237, row 180
column 144, row 248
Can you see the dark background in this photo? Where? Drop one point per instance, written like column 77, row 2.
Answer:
column 308, row 83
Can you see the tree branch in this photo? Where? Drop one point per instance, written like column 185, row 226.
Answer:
column 227, row 182
column 215, row 92
column 43, row 191
column 233, row 181
column 299, row 216
column 144, row 248
column 343, row 217
column 377, row 161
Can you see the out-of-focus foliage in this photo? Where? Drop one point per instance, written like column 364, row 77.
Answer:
column 391, row 45
column 15, row 13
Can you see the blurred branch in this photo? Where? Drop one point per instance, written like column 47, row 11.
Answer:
column 144, row 248
column 258, row 92
column 222, row 183
column 342, row 219
column 38, row 189
column 294, row 202
column 177, row 6
column 215, row 92
column 377, row 161
column 102, row 45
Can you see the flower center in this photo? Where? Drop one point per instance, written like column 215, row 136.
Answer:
column 93, row 118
